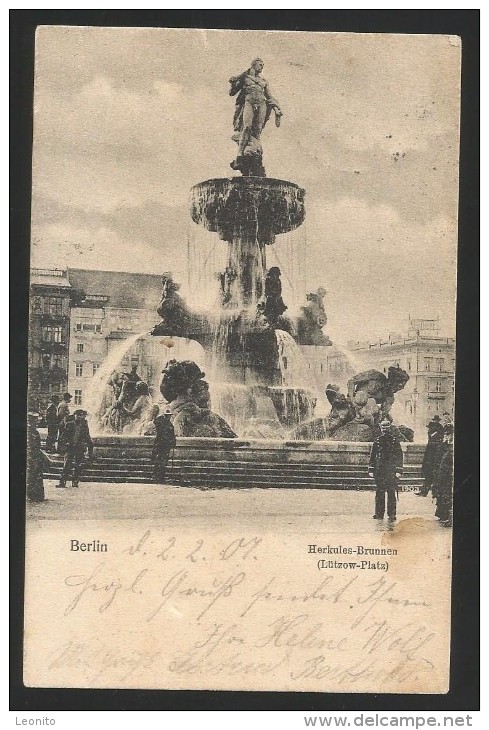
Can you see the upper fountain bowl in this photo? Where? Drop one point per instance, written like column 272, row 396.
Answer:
column 247, row 206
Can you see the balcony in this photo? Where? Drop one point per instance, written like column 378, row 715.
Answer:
column 54, row 348
column 48, row 318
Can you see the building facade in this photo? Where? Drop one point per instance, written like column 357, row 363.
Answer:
column 429, row 360
column 79, row 318
column 328, row 365
column 109, row 309
column 49, row 335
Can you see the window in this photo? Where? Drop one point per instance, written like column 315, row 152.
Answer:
column 96, row 366
column 409, row 365
column 321, row 367
column 80, row 347
column 284, row 361
column 78, row 397
column 440, row 364
column 87, row 327
column 57, row 361
column 79, row 369
column 53, row 305
column 428, row 361
column 438, row 386
column 52, row 334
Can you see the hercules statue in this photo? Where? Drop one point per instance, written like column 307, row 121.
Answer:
column 254, row 105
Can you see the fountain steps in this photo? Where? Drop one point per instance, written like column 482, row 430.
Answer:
column 208, row 462
column 145, row 461
column 229, row 474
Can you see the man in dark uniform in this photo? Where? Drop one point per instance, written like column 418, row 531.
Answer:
column 385, row 466
column 164, row 442
column 443, row 485
column 35, row 485
column 52, row 423
column 77, row 439
column 432, row 455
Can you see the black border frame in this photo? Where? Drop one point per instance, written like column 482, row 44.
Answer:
column 464, row 676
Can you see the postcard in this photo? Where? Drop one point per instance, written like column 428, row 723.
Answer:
column 241, row 360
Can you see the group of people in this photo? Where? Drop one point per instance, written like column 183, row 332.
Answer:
column 386, row 468
column 69, row 435
column 437, row 467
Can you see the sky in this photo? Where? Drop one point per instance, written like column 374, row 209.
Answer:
column 127, row 120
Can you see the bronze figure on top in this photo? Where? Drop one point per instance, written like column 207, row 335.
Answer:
column 254, row 105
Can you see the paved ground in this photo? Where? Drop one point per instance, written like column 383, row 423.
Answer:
column 272, row 509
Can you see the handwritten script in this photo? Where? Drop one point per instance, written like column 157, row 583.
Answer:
column 167, row 610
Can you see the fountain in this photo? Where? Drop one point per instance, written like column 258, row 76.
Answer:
column 257, row 374
column 260, row 387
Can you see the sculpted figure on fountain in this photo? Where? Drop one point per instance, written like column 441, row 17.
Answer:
column 187, row 393
column 254, row 105
column 226, row 281
column 175, row 316
column 312, row 319
column 372, row 393
column 274, row 304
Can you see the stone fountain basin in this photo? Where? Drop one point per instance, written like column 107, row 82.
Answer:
column 242, row 463
column 224, row 205
column 322, row 451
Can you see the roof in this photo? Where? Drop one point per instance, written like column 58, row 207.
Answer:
column 50, row 277
column 136, row 291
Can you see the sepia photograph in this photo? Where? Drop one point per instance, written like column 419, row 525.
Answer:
column 241, row 360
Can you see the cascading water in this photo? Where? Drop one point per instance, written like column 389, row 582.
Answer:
column 94, row 397
column 299, row 395
column 158, row 351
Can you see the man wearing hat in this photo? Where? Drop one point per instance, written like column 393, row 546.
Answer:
column 52, row 422
column 77, row 438
column 164, row 442
column 385, row 466
column 432, row 455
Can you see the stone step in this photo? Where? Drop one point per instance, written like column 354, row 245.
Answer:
column 213, row 466
column 275, row 466
column 248, row 485
column 226, row 478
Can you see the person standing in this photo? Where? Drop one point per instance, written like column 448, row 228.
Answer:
column 164, row 442
column 385, row 466
column 432, row 455
column 77, row 439
column 35, row 485
column 447, row 428
column 443, row 485
column 63, row 414
column 52, row 423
